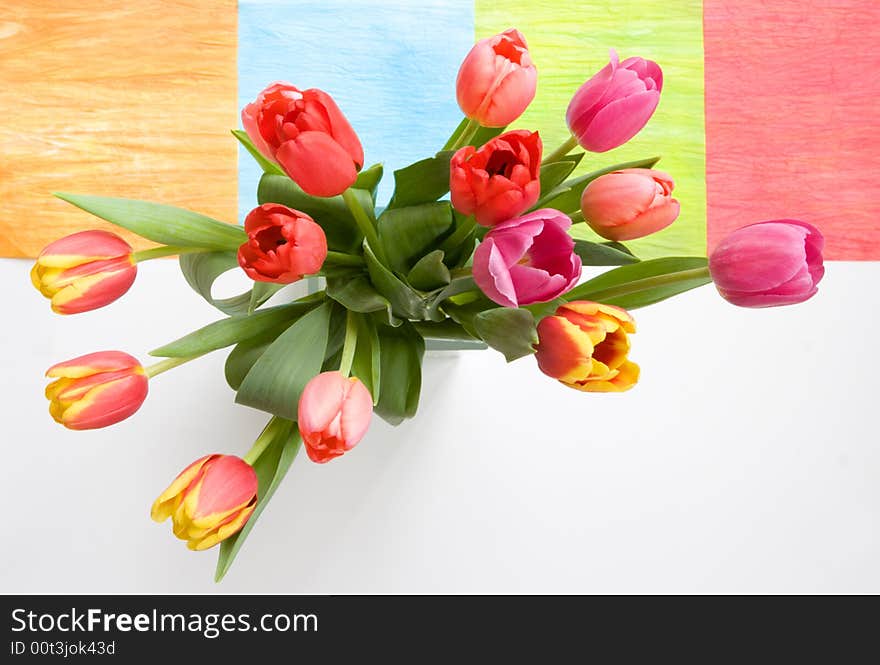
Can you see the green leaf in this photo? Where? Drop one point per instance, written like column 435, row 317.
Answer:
column 508, row 330
column 447, row 329
column 271, row 467
column 554, row 173
column 201, row 270
column 277, row 379
column 405, row 302
column 461, row 284
column 644, row 283
column 264, row 163
column 482, row 135
column 429, row 272
column 401, row 352
column 567, row 196
column 422, row 182
column 369, row 179
column 407, row 234
column 246, row 353
column 227, row 332
column 367, row 357
column 331, row 213
column 354, row 291
column 160, row 223
column 602, row 254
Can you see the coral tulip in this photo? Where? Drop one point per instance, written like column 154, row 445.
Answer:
column 334, row 414
column 614, row 105
column 84, row 271
column 497, row 80
column 283, row 244
column 585, row 346
column 307, row 135
column 499, row 180
column 527, row 259
column 96, row 390
column 769, row 263
column 629, row 204
column 209, row 501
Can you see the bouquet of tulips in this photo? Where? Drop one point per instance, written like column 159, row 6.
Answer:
column 493, row 265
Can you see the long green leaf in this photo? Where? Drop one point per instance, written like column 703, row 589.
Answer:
column 160, row 223
column 429, row 272
column 265, row 164
column 482, row 135
column 277, row 379
column 406, row 303
column 554, row 173
column 201, row 271
column 271, row 467
column 227, row 332
column 422, row 182
column 367, row 358
column 401, row 352
column 354, row 291
column 644, row 283
column 247, row 352
column 602, row 254
column 508, row 330
column 369, row 179
column 407, row 234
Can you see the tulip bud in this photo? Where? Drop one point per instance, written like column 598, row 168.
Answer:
column 769, row 263
column 614, row 105
column 84, row 271
column 334, row 414
column 527, row 259
column 305, row 133
column 629, row 204
column 497, row 80
column 585, row 346
column 499, row 180
column 96, row 390
column 209, row 501
column 283, row 244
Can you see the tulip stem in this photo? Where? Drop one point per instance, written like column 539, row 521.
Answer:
column 350, row 344
column 165, row 250
column 561, row 151
column 365, row 224
column 577, row 217
column 639, row 285
column 467, row 134
column 343, row 259
column 266, row 437
column 165, row 365
column 459, row 235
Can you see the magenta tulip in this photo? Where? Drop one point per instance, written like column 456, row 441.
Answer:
column 614, row 105
column 527, row 259
column 769, row 263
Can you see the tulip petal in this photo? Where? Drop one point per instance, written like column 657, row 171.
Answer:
column 582, row 107
column 340, row 128
column 317, row 163
column 357, row 412
column 492, row 275
column 774, row 252
column 619, row 121
column 107, row 403
column 163, row 505
column 564, row 351
column 92, row 363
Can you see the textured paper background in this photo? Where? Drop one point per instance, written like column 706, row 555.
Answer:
column 114, row 98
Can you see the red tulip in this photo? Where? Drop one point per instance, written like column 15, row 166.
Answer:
column 96, row 390
column 283, row 244
column 527, row 259
column 209, row 501
column 84, row 271
column 497, row 80
column 498, row 181
column 769, row 263
column 334, row 414
column 629, row 204
column 306, row 134
column 614, row 105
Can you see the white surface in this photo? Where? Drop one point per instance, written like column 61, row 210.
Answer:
column 746, row 460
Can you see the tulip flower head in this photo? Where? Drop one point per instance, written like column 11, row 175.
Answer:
column 527, row 259
column 629, row 204
column 614, row 105
column 585, row 346
column 769, row 263
column 96, row 390
column 84, row 271
column 497, row 79
column 498, row 181
column 334, row 414
column 305, row 133
column 209, row 501
column 283, row 244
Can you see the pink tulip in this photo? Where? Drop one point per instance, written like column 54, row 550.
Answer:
column 334, row 414
column 629, row 204
column 497, row 80
column 769, row 263
column 614, row 105
column 527, row 259
column 283, row 244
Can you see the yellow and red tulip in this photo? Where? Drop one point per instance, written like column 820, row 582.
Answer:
column 96, row 390
column 84, row 271
column 209, row 501
column 585, row 346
